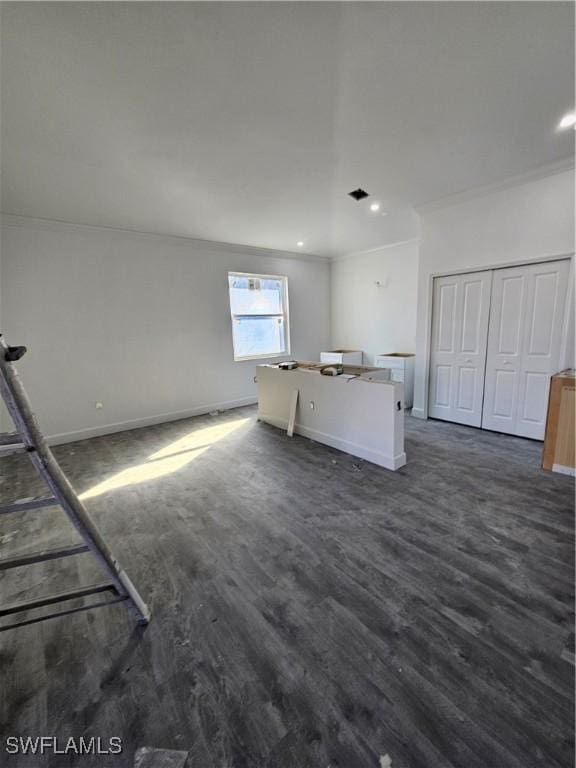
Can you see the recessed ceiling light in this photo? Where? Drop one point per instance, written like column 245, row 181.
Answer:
column 300, row 243
column 568, row 121
column 375, row 207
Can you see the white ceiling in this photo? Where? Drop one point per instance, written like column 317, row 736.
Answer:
column 249, row 122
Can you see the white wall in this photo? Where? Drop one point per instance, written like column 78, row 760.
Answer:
column 138, row 322
column 371, row 318
column 141, row 322
column 5, row 422
column 525, row 223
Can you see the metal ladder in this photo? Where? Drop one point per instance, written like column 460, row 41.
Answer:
column 29, row 439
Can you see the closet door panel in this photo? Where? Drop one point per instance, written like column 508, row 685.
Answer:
column 458, row 349
column 473, row 339
column 466, row 397
column 509, row 300
column 525, row 329
column 447, row 293
column 504, row 389
column 545, row 305
column 503, row 361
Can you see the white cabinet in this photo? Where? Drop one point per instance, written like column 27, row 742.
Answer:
column 342, row 356
column 401, row 366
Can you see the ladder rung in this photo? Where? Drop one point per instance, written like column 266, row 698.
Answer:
column 10, row 438
column 6, row 450
column 68, row 611
column 39, row 557
column 21, row 506
column 27, row 605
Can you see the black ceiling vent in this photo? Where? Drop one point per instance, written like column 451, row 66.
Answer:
column 358, row 194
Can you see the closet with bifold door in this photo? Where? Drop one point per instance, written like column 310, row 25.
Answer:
column 496, row 341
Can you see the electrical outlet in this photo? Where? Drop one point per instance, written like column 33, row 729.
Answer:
column 98, row 405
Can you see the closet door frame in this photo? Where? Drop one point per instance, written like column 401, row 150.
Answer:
column 568, row 309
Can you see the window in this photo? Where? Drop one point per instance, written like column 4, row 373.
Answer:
column 259, row 308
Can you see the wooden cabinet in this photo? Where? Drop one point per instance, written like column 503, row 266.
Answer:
column 558, row 454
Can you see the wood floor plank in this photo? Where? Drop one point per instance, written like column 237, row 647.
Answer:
column 309, row 608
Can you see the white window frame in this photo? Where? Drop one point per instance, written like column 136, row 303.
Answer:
column 285, row 314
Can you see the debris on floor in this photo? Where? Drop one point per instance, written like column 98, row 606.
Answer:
column 6, row 538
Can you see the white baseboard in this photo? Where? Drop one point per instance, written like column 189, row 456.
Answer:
column 563, row 470
column 418, row 413
column 147, row 421
column 388, row 462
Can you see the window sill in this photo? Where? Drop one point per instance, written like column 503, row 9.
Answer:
column 253, row 358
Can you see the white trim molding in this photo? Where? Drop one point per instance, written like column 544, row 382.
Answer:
column 541, row 172
column 563, row 470
column 368, row 251
column 14, row 220
column 346, row 446
column 147, row 421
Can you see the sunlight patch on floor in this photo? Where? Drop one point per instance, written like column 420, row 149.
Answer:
column 171, row 458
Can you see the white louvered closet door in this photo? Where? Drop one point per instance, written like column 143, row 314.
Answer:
column 461, row 305
column 525, row 331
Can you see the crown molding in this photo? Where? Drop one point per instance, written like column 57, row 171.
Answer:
column 368, row 251
column 541, row 172
column 19, row 221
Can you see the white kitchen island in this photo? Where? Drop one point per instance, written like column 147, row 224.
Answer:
column 360, row 414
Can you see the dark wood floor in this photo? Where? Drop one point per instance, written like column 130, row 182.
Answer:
column 309, row 609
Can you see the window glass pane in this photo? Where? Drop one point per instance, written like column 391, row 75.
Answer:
column 258, row 336
column 255, row 295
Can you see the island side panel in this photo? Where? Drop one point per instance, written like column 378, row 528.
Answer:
column 364, row 418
